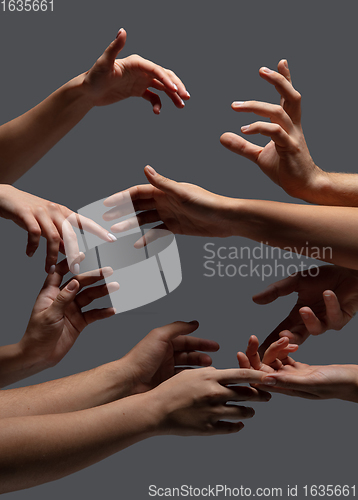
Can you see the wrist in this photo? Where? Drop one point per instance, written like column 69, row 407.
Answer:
column 74, row 93
column 117, row 380
column 319, row 189
column 350, row 392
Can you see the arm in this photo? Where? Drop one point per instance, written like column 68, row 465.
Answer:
column 286, row 159
column 26, row 139
column 327, row 233
column 151, row 362
column 37, row 449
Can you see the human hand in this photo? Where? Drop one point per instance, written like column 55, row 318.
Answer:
column 111, row 80
column 183, row 208
column 287, row 376
column 158, row 356
column 57, row 320
column 285, row 159
column 202, row 401
column 41, row 217
column 326, row 301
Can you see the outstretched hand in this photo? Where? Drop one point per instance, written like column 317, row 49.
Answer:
column 164, row 352
column 326, row 301
column 111, row 80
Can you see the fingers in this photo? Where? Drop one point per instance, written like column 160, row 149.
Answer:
column 98, row 314
column 184, row 343
column 192, row 358
column 120, row 211
column 241, row 393
column 312, row 323
column 278, row 289
column 92, row 277
column 243, row 360
column 334, row 313
column 292, row 98
column 238, row 375
column 154, row 99
column 173, row 330
column 153, row 234
column 273, row 111
column 164, row 184
column 181, row 92
column 34, row 235
column 141, row 192
column 156, row 72
column 252, row 354
column 283, row 69
column 63, row 299
column 52, row 235
column 109, row 55
column 134, row 222
column 221, row 427
column 85, row 298
column 240, row 146
column 272, row 130
column 279, row 350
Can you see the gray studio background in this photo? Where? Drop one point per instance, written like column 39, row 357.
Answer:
column 217, row 49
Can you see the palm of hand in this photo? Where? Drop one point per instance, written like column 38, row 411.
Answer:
column 54, row 339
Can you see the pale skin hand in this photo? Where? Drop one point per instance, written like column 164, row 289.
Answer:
column 287, row 376
column 42, row 448
column 112, row 80
column 159, row 355
column 27, row 138
column 41, row 217
column 327, row 233
column 285, row 159
column 55, row 324
column 327, row 301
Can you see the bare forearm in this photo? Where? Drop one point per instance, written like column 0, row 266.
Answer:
column 84, row 390
column 38, row 449
column 26, row 139
column 330, row 188
column 327, row 233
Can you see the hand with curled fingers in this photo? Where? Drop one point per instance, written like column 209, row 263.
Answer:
column 203, row 401
column 326, row 301
column 285, row 159
column 111, row 80
column 165, row 351
column 41, row 217
column 287, row 376
column 57, row 319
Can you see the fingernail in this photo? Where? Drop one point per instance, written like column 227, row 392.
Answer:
column 114, row 310
column 285, row 63
column 281, row 341
column 72, row 285
column 31, row 254
column 327, row 296
column 76, row 268
column 244, row 128
column 176, row 88
column 52, row 269
column 237, row 104
column 183, row 103
column 266, row 70
column 187, row 93
column 112, row 237
column 269, row 381
column 304, row 315
column 119, row 32
column 151, row 170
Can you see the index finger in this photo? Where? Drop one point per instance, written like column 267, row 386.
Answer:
column 239, row 376
column 292, row 104
column 140, row 192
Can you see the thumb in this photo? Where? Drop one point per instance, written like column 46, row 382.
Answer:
column 113, row 49
column 162, row 183
column 64, row 298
